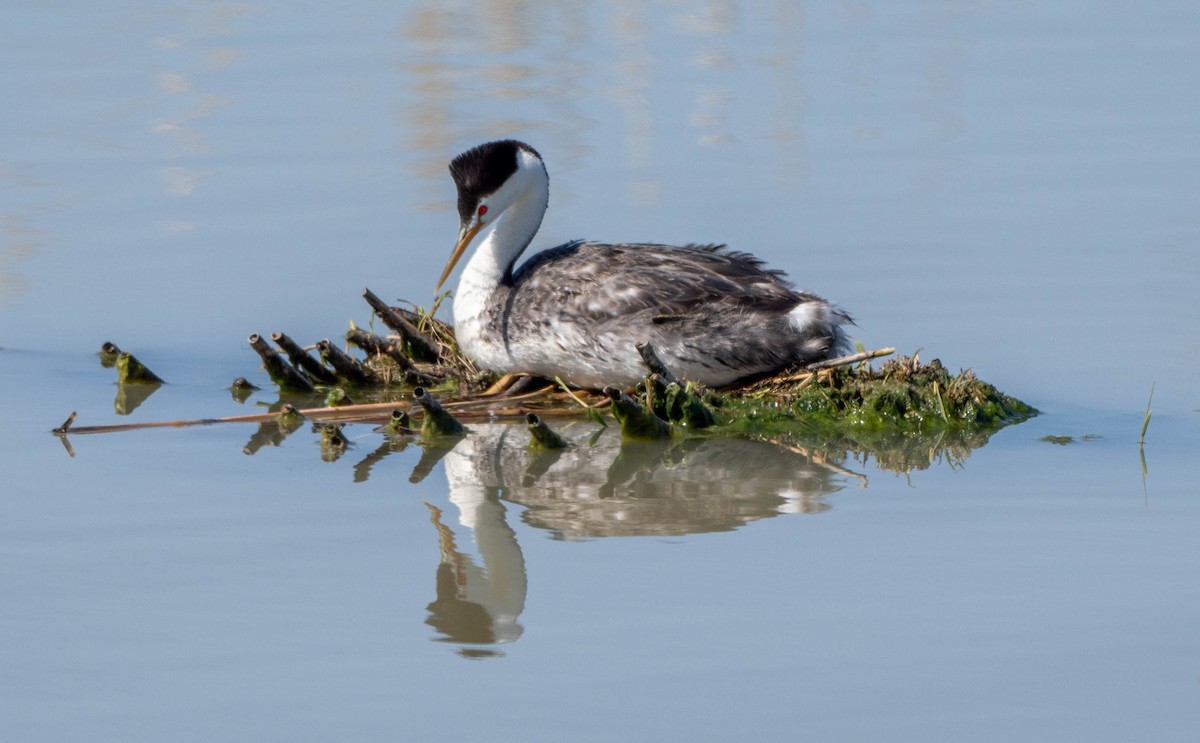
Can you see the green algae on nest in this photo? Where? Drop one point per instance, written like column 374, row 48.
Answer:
column 905, row 414
column 677, row 403
column 901, row 395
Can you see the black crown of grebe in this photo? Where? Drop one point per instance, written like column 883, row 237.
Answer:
column 578, row 311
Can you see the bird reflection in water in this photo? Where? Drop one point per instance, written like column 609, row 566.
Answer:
column 478, row 605
column 600, row 486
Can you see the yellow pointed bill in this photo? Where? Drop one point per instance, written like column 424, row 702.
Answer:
column 465, row 236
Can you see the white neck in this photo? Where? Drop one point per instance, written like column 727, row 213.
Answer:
column 527, row 194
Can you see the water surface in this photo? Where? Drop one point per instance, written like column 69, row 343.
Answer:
column 1008, row 187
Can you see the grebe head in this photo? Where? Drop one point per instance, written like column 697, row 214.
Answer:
column 491, row 178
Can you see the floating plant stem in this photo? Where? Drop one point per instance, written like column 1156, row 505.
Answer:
column 853, row 359
column 636, row 421
column 686, row 408
column 241, row 389
column 303, row 361
column 941, row 404
column 591, row 410
column 347, row 367
column 108, row 355
column 1146, row 420
column 423, row 348
column 399, row 424
column 373, row 344
column 656, row 364
column 132, row 371
column 281, row 372
column 337, row 398
column 437, row 421
column 244, row 385
column 66, row 426
column 543, row 436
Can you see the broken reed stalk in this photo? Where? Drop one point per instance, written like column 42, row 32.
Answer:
column 655, row 364
column 303, row 361
column 132, row 371
column 376, row 346
column 108, row 355
column 636, row 421
column 851, row 359
column 678, row 403
column 66, row 426
column 468, row 409
column 399, row 424
column 439, row 330
column 437, row 421
column 473, row 408
column 423, row 347
column 347, row 367
column 543, row 436
column 281, row 372
column 337, row 398
column 806, row 374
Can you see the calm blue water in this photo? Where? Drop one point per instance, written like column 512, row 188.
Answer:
column 1011, row 187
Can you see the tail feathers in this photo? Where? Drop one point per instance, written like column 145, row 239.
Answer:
column 821, row 327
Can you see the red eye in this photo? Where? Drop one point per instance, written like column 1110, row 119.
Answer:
column 482, row 209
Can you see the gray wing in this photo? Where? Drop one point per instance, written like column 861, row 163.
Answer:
column 596, row 283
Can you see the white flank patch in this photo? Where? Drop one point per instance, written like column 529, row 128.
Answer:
column 807, row 314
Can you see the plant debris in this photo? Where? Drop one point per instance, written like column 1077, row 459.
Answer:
column 903, row 411
column 1065, row 440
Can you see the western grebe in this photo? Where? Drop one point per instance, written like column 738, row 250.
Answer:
column 579, row 310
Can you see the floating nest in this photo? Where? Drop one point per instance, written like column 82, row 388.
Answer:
column 903, row 411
